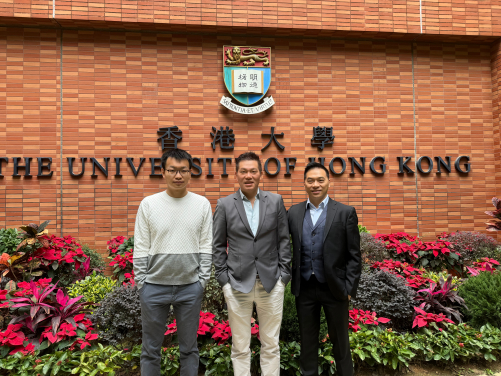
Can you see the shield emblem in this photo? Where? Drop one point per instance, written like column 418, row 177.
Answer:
column 247, row 72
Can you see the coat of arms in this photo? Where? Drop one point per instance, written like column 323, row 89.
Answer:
column 247, row 76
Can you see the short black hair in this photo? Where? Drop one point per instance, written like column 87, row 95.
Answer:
column 313, row 165
column 249, row 156
column 178, row 154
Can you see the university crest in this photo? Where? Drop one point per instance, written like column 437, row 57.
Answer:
column 247, row 76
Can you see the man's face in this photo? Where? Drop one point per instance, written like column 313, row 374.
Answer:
column 316, row 183
column 248, row 176
column 177, row 174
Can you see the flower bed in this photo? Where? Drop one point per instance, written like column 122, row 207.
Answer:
column 45, row 331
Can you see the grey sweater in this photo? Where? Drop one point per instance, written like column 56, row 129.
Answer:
column 173, row 240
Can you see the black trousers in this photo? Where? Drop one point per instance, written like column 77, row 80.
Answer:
column 312, row 296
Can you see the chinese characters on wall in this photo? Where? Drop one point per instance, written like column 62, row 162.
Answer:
column 225, row 138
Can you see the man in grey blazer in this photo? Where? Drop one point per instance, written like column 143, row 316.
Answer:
column 251, row 253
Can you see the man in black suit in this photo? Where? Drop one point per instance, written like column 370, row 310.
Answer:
column 326, row 268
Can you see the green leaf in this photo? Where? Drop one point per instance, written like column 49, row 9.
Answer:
column 43, row 226
column 46, row 367
column 424, row 262
column 394, row 362
column 55, row 370
column 4, row 350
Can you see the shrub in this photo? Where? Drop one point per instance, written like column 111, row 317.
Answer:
column 482, row 295
column 213, row 300
column 97, row 261
column 372, row 345
column 289, row 331
column 9, row 240
column 93, row 288
column 372, row 249
column 363, row 229
column 118, row 319
column 388, row 295
column 473, row 245
column 41, row 255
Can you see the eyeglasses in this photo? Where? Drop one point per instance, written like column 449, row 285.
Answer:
column 182, row 172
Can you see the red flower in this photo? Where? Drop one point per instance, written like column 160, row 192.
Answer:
column 364, row 317
column 12, row 336
column 461, row 344
column 172, row 328
column 91, row 336
column 221, row 332
column 425, row 318
column 29, row 349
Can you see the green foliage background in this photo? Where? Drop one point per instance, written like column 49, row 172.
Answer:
column 482, row 295
column 9, row 240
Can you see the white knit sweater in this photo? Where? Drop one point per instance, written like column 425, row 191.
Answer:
column 173, row 240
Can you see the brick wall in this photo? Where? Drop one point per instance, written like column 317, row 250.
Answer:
column 445, row 17
column 382, row 98
column 496, row 107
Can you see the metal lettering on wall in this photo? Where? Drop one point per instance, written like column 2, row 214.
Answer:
column 225, row 138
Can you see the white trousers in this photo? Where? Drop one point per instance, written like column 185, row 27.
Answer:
column 269, row 307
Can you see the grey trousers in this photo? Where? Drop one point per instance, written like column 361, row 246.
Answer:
column 155, row 306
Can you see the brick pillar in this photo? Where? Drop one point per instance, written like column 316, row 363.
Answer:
column 496, row 114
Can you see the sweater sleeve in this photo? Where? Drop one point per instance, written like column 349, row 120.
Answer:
column 141, row 245
column 205, row 247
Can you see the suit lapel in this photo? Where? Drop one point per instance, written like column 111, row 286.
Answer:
column 331, row 213
column 262, row 209
column 300, row 221
column 241, row 211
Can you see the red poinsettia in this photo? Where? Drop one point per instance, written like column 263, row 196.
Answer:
column 221, row 332
column 12, row 336
column 485, row 265
column 425, row 318
column 114, row 243
column 122, row 264
column 401, row 245
column 3, row 299
column 412, row 275
column 364, row 317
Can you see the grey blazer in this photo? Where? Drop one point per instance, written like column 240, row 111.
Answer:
column 269, row 251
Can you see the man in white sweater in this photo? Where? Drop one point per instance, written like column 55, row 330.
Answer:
column 172, row 263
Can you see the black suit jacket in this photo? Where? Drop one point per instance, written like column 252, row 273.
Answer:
column 341, row 251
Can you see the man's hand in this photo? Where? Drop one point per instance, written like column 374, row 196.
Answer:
column 349, row 297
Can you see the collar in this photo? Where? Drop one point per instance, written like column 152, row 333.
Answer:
column 322, row 205
column 244, row 197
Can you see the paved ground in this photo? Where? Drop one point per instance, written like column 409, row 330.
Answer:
column 427, row 369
